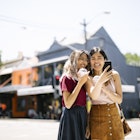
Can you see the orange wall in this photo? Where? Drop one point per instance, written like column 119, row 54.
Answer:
column 24, row 76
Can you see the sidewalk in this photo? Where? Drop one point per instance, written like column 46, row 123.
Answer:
column 135, row 126
column 36, row 129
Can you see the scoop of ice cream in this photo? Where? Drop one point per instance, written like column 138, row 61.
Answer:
column 82, row 71
column 96, row 78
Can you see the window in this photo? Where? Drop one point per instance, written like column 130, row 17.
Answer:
column 21, row 104
column 58, row 71
column 48, row 75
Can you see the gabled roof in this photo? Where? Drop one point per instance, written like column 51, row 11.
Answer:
column 57, row 50
column 102, row 39
column 54, row 47
column 99, row 38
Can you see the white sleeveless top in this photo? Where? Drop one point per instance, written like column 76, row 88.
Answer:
column 103, row 98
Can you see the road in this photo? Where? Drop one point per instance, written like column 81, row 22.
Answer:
column 30, row 129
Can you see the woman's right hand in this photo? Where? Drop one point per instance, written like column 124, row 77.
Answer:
column 83, row 78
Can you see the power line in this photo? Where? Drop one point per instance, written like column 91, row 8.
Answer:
column 84, row 24
column 21, row 22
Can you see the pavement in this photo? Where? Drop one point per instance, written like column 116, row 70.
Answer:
column 135, row 126
column 36, row 129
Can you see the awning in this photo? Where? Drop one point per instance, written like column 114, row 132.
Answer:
column 51, row 61
column 6, row 71
column 36, row 90
column 11, row 88
column 128, row 88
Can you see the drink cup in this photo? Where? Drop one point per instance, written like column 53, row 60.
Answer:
column 82, row 71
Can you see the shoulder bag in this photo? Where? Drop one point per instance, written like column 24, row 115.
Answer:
column 126, row 127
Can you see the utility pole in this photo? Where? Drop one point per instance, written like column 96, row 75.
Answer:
column 84, row 24
column 85, row 32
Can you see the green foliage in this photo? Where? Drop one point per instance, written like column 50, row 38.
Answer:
column 132, row 59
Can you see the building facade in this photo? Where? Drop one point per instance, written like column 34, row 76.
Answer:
column 36, row 85
column 130, row 75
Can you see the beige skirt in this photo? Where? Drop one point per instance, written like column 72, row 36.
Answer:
column 105, row 123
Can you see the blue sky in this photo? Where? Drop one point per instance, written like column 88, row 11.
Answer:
column 32, row 25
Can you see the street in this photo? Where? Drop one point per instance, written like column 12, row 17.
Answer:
column 28, row 129
column 36, row 129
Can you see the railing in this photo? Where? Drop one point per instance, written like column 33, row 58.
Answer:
column 6, row 82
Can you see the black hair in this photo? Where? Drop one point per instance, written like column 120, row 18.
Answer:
column 98, row 49
column 95, row 50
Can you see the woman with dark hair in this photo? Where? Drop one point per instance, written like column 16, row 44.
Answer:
column 105, row 122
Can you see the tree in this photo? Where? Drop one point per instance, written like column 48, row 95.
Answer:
column 132, row 59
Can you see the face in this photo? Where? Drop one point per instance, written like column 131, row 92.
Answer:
column 97, row 62
column 82, row 61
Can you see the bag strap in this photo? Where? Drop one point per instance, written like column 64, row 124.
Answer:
column 121, row 112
